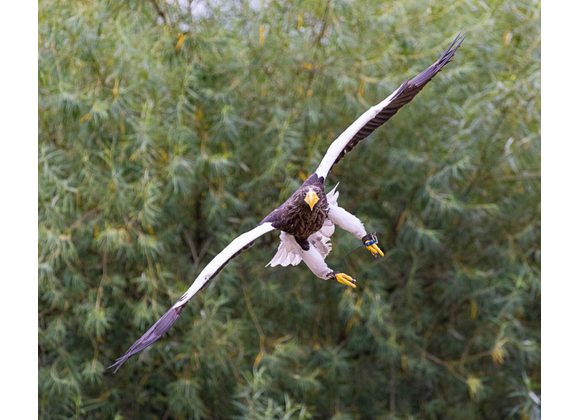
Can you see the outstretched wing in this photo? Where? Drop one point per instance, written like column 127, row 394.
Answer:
column 382, row 112
column 242, row 242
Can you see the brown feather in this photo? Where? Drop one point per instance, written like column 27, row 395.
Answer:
column 295, row 217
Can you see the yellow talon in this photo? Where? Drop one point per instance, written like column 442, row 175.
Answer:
column 345, row 279
column 375, row 250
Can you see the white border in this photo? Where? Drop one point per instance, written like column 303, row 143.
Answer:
column 18, row 226
column 560, row 209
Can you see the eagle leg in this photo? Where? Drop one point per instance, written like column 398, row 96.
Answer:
column 315, row 262
column 371, row 243
column 352, row 224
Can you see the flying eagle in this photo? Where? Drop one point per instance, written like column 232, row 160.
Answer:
column 308, row 218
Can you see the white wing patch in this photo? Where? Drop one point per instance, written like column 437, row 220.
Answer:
column 222, row 258
column 289, row 251
column 342, row 141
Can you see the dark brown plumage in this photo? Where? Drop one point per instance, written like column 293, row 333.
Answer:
column 295, row 217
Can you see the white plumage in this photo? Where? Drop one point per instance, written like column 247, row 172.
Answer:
column 341, row 141
column 222, row 258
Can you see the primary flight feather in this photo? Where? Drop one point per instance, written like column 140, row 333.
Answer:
column 308, row 218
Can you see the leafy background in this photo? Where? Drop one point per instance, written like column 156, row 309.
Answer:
column 167, row 129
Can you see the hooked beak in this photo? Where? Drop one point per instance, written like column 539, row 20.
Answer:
column 311, row 199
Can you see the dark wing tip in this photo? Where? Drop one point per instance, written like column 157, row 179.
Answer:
column 453, row 47
column 151, row 336
column 424, row 77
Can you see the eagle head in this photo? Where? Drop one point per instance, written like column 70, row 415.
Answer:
column 311, row 198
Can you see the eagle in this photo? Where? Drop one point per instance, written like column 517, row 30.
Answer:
column 307, row 219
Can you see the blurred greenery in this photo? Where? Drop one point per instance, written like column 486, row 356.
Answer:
column 167, row 130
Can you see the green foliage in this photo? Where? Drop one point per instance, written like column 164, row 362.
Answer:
column 163, row 136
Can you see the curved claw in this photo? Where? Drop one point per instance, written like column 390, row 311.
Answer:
column 375, row 250
column 345, row 279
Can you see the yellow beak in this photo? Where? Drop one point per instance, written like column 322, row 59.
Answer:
column 311, row 199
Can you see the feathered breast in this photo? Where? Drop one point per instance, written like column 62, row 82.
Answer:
column 296, row 218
